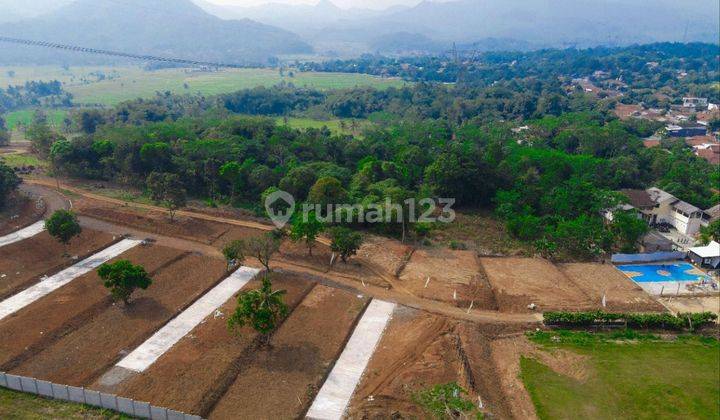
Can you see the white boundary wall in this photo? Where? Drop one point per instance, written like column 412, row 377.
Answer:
column 21, row 234
column 144, row 356
column 335, row 394
column 90, row 397
column 50, row 284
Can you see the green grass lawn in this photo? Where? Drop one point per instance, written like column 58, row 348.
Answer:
column 19, row 160
column 343, row 126
column 124, row 83
column 644, row 378
column 55, row 117
column 18, row 405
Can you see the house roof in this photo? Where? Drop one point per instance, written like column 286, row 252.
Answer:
column 709, row 251
column 685, row 207
column 639, row 198
column 700, row 140
column 660, row 196
column 713, row 212
column 711, row 153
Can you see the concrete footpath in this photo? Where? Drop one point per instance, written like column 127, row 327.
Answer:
column 21, row 234
column 335, row 394
column 50, row 284
column 144, row 356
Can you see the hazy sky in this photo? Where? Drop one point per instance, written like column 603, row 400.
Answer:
column 368, row 4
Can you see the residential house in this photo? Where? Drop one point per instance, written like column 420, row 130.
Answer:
column 659, row 207
column 708, row 255
column 709, row 152
column 695, row 102
column 686, row 130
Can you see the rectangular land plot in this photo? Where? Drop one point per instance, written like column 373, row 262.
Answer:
column 48, row 285
column 195, row 373
column 82, row 355
column 24, row 262
column 37, row 326
column 621, row 294
column 417, row 351
column 302, row 352
column 519, row 282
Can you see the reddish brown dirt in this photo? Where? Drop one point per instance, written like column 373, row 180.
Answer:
column 81, row 356
column 158, row 222
column 32, row 329
column 621, row 293
column 298, row 253
column 454, row 277
column 24, row 262
column 19, row 213
column 195, row 373
column 388, row 254
column 417, row 352
column 292, row 371
column 519, row 282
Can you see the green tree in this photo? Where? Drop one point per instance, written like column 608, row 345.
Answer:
column 628, row 229
column 262, row 309
column 9, row 182
column 234, row 253
column 710, row 232
column 167, row 190
column 306, row 230
column 63, row 226
column 326, row 191
column 345, row 242
column 262, row 247
column 122, row 278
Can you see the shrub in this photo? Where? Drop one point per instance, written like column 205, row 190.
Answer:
column 644, row 321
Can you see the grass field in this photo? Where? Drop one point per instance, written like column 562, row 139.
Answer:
column 55, row 117
column 20, row 160
column 344, row 126
column 643, row 378
column 124, row 83
column 17, row 405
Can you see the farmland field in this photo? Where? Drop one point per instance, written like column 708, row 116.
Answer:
column 639, row 378
column 55, row 117
column 125, row 83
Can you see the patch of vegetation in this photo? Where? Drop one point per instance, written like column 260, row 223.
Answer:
column 55, row 117
column 19, row 405
column 19, row 160
column 690, row 321
column 632, row 376
column 447, row 401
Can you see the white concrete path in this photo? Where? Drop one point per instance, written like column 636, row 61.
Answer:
column 334, row 396
column 50, row 284
column 144, row 356
column 21, row 234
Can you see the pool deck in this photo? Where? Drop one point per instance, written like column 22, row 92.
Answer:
column 673, row 287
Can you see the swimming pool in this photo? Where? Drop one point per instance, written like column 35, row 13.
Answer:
column 680, row 271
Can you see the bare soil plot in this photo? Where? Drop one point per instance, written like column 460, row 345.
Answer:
column 388, row 254
column 84, row 354
column 297, row 253
column 685, row 304
column 621, row 294
column 519, row 282
column 195, row 373
column 23, row 263
column 448, row 276
column 158, row 222
column 34, row 328
column 281, row 382
column 417, row 352
column 20, row 213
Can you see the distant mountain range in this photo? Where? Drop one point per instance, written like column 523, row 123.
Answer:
column 494, row 24
column 175, row 28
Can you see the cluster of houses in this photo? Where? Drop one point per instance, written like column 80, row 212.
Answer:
column 675, row 222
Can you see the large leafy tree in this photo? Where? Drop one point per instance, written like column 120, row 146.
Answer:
column 262, row 309
column 63, row 225
column 345, row 242
column 168, row 190
column 306, row 229
column 9, row 181
column 122, row 278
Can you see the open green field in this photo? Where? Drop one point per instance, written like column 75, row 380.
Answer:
column 642, row 378
column 125, row 83
column 339, row 126
column 55, row 117
column 17, row 405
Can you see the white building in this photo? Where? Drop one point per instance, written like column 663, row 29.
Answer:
column 695, row 102
column 659, row 207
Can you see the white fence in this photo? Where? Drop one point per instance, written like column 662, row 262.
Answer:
column 94, row 398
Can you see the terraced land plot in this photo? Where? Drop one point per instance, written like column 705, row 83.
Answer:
column 39, row 325
column 24, row 263
column 83, row 355
column 194, row 374
column 621, row 294
column 520, row 282
column 418, row 351
column 302, row 353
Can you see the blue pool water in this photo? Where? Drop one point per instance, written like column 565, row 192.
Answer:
column 662, row 272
